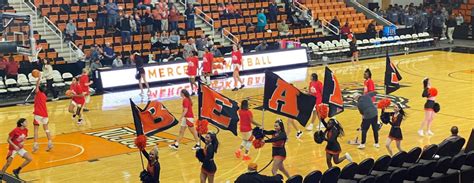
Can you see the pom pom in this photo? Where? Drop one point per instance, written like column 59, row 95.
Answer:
column 384, row 103
column 318, row 137
column 436, row 107
column 322, row 110
column 258, row 143
column 385, row 118
column 258, row 133
column 140, row 142
column 433, row 92
column 202, row 126
column 200, row 155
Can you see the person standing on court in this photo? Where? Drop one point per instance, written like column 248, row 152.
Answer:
column 369, row 117
column 450, row 24
column 48, row 75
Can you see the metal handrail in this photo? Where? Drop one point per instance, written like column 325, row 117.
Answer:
column 54, row 29
column 322, row 19
column 210, row 22
column 229, row 34
column 32, row 7
column 72, row 47
column 372, row 13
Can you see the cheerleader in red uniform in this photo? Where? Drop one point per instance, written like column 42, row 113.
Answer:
column 429, row 108
column 396, row 117
column 246, row 121
column 315, row 89
column 209, row 168
column 333, row 148
column 193, row 63
column 369, row 85
column 186, row 120
column 236, row 65
column 278, row 141
column 78, row 100
column 207, row 59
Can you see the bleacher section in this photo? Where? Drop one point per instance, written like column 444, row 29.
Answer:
column 327, row 9
column 465, row 10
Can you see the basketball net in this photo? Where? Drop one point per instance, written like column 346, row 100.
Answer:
column 36, row 50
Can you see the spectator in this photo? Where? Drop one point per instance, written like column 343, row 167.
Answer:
column 165, row 40
column 392, row 15
column 3, row 66
column 71, row 30
column 209, row 42
column 133, row 25
column 371, row 29
column 190, row 11
column 148, row 20
column 262, row 46
column 174, row 40
column 125, row 29
column 437, row 24
column 156, row 14
column 201, row 42
column 164, row 15
column 101, row 15
column 454, row 135
column 336, row 24
column 155, row 40
column 109, row 54
column 117, row 62
column 81, row 57
column 345, row 30
column 112, row 14
column 174, row 18
column 262, row 21
column 459, row 19
column 409, row 20
column 189, row 47
column 230, row 10
column 48, row 75
column 96, row 53
column 216, row 52
column 12, row 68
column 138, row 20
column 96, row 65
column 304, row 18
column 273, row 11
column 451, row 24
column 222, row 11
column 252, row 176
column 283, row 28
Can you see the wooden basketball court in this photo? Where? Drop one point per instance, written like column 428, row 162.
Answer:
column 99, row 150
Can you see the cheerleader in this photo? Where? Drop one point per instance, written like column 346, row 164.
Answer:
column 369, row 85
column 396, row 117
column 236, row 66
column 207, row 59
column 292, row 122
column 187, row 120
column 315, row 89
column 209, row 168
column 354, row 51
column 193, row 62
column 429, row 108
column 246, row 121
column 278, row 147
column 333, row 148
column 77, row 100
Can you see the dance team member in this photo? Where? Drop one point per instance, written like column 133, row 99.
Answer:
column 187, row 119
column 396, row 118
column 193, row 64
column 139, row 64
column 207, row 59
column 278, row 141
column 246, row 121
column 153, row 167
column 429, row 109
column 354, row 51
column 333, row 148
column 369, row 85
column 209, row 168
column 315, row 89
column 16, row 139
column 40, row 114
column 77, row 101
column 236, row 65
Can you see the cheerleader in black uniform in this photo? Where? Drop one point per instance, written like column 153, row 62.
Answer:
column 278, row 147
column 209, row 168
column 333, row 149
column 429, row 108
column 396, row 117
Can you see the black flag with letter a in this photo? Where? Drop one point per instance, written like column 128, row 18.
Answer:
column 332, row 95
column 392, row 77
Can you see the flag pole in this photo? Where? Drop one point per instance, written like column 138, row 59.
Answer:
column 263, row 117
column 141, row 158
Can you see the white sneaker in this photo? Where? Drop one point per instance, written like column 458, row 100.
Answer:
column 430, row 133
column 348, row 157
column 321, row 125
column 55, row 99
column 196, row 147
column 35, row 147
column 376, row 145
column 420, row 133
column 50, row 146
column 309, row 127
column 299, row 134
column 173, row 146
column 361, row 146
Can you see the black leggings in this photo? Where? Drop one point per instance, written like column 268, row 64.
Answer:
column 49, row 84
column 365, row 127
